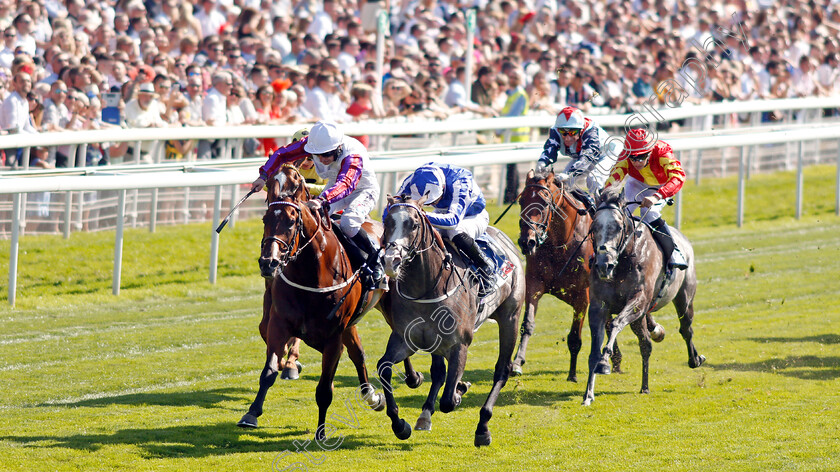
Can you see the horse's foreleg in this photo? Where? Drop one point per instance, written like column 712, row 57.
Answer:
column 573, row 340
column 396, row 352
column 291, row 366
column 454, row 387
column 350, row 338
column 413, row 378
column 507, row 341
column 645, row 347
column 632, row 311
column 533, row 293
column 597, row 320
column 278, row 335
column 685, row 312
column 616, row 356
column 324, row 390
column 424, row 423
column 266, row 311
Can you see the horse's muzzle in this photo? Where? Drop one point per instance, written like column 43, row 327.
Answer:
column 392, row 259
column 528, row 245
column 269, row 267
column 604, row 267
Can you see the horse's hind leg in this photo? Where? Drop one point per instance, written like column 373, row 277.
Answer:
column 507, row 340
column 324, row 390
column 533, row 293
column 350, row 338
column 413, row 379
column 454, row 388
column 645, row 347
column 684, row 304
column 424, row 423
column 278, row 335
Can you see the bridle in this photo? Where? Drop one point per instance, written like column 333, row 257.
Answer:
column 626, row 234
column 287, row 251
column 427, row 229
column 550, row 207
column 413, row 252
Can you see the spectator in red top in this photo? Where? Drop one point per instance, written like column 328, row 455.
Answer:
column 361, row 107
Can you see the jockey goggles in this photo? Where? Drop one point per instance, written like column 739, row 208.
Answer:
column 568, row 131
column 639, row 157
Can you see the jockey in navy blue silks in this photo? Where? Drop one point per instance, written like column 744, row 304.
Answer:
column 583, row 142
column 459, row 213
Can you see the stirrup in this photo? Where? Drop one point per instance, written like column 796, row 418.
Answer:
column 677, row 260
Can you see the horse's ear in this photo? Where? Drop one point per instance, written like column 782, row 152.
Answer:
column 530, row 175
column 391, row 200
column 422, row 199
column 621, row 196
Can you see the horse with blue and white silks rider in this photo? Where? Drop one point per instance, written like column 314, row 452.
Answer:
column 459, row 207
column 585, row 144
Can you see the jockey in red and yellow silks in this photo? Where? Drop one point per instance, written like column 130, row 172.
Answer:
column 654, row 175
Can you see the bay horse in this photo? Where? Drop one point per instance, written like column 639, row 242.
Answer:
column 553, row 236
column 627, row 281
column 435, row 308
column 316, row 294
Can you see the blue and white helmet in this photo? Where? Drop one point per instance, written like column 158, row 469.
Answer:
column 426, row 179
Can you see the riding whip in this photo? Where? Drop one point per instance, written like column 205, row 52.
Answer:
column 227, row 218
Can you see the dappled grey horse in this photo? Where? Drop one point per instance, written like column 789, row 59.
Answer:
column 626, row 280
column 435, row 308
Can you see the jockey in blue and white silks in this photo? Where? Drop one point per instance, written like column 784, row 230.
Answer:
column 459, row 213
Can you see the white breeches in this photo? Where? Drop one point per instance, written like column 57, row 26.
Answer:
column 635, row 191
column 474, row 226
column 357, row 206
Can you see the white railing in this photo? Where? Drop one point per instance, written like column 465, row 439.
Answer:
column 478, row 156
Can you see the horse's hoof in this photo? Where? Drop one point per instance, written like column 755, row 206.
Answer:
column 410, row 383
column 517, row 370
column 299, row 366
column 603, row 368
column 587, row 401
column 483, row 439
column 463, row 387
column 289, row 374
column 571, row 378
column 424, row 422
column 658, row 334
column 403, row 431
column 697, row 362
column 248, row 421
column 645, row 391
column 379, row 403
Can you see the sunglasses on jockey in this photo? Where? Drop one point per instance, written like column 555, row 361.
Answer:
column 568, row 131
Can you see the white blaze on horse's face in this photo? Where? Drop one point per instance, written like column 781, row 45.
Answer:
column 606, row 232
column 399, row 232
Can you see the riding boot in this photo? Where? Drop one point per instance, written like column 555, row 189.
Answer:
column 586, row 199
column 671, row 253
column 485, row 266
column 370, row 246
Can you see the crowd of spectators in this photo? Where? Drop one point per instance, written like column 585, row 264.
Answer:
column 241, row 62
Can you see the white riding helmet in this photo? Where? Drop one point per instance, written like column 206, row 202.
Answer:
column 427, row 179
column 323, row 137
column 569, row 117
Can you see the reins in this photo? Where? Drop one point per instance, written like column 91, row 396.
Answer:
column 427, row 229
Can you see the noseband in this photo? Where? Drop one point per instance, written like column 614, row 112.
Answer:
column 412, row 247
column 286, row 250
column 551, row 206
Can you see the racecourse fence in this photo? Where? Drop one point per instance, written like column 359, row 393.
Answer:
column 145, row 195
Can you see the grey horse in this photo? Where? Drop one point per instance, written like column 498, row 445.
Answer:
column 626, row 280
column 435, row 308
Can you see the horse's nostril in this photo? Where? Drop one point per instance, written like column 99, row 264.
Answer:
column 273, row 263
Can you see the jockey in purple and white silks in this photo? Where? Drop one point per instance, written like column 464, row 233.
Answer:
column 458, row 203
column 583, row 142
column 351, row 184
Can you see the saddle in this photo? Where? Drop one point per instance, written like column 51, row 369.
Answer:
column 501, row 266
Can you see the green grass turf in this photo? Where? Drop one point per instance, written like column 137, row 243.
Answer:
column 156, row 378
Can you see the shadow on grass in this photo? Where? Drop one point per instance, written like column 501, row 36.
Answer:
column 200, row 398
column 202, row 441
column 802, row 367
column 819, row 338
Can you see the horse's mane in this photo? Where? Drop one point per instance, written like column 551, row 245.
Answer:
column 612, row 195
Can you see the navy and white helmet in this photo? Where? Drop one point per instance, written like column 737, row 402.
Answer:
column 426, row 179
